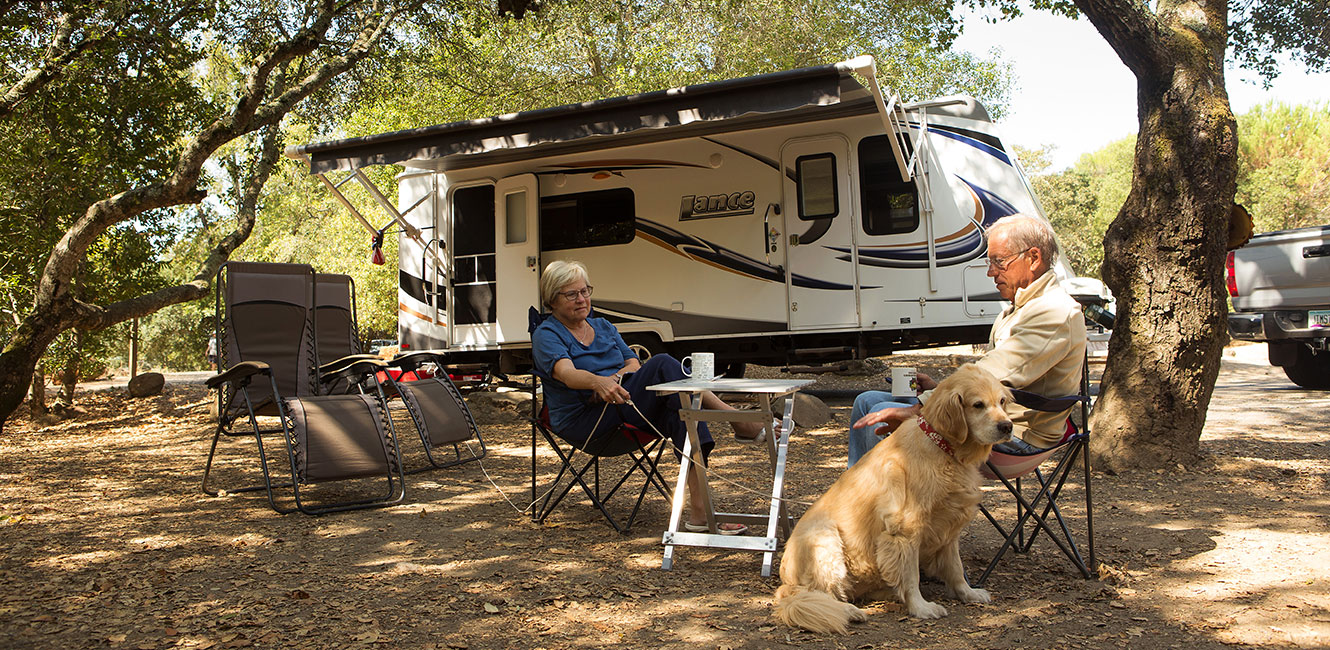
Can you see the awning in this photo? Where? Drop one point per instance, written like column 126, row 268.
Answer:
column 787, row 93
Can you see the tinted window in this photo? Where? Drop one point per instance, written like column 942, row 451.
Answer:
column 890, row 205
column 473, row 220
column 601, row 218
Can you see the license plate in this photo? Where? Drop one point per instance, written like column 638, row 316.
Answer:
column 1319, row 318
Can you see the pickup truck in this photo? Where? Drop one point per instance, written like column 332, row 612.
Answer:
column 1279, row 283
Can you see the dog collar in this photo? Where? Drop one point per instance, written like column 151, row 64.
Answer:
column 936, row 437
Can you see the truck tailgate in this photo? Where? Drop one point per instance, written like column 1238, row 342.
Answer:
column 1284, row 270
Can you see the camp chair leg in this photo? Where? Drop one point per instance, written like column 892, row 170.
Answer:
column 1012, row 539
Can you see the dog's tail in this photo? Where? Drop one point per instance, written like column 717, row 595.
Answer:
column 811, row 609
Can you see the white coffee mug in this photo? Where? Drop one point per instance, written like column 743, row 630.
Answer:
column 703, row 366
column 904, row 382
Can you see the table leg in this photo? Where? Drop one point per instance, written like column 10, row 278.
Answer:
column 690, row 445
column 778, row 511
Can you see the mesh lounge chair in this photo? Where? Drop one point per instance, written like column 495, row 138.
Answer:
column 326, row 438
column 1033, row 513
column 264, row 313
column 642, row 448
column 437, row 408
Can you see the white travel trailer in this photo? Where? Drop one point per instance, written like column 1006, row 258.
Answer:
column 772, row 219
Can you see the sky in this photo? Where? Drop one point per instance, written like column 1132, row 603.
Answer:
column 1073, row 92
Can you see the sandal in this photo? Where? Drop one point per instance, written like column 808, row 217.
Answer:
column 724, row 529
column 761, row 435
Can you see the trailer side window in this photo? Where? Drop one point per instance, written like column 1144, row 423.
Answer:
column 587, row 219
column 815, row 176
column 473, row 255
column 890, row 205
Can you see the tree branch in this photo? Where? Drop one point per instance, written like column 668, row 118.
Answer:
column 1134, row 33
column 181, row 186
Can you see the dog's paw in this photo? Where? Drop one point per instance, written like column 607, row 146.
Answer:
column 856, row 615
column 925, row 609
column 968, row 595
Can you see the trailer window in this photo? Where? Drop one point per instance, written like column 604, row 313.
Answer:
column 473, row 256
column 890, row 205
column 816, row 180
column 587, row 219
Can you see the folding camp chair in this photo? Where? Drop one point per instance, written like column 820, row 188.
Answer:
column 1032, row 513
column 436, row 406
column 336, row 331
column 326, row 438
column 642, row 448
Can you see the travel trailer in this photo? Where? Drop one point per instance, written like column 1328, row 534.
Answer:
column 778, row 219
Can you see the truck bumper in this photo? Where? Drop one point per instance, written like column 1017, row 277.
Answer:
column 1279, row 325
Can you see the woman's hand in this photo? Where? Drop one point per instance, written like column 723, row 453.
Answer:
column 890, row 419
column 608, row 390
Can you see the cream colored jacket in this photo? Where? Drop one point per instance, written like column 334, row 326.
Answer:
column 1038, row 345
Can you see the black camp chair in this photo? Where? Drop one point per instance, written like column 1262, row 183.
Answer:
column 441, row 415
column 326, row 438
column 642, row 448
column 1033, row 512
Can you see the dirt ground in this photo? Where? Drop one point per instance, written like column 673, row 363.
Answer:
column 110, row 543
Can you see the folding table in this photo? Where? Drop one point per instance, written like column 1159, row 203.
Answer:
column 767, row 391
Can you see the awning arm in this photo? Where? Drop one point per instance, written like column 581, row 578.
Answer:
column 892, row 114
column 397, row 217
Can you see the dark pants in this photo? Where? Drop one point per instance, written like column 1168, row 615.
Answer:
column 661, row 410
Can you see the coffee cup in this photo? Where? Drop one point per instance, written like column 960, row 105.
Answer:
column 904, row 382
column 699, row 365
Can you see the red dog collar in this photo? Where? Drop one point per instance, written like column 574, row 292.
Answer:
column 935, row 437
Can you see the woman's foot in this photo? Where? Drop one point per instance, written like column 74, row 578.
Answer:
column 724, row 529
column 754, row 432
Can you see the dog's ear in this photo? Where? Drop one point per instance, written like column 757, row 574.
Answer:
column 946, row 412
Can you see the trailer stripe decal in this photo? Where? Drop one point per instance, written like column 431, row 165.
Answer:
column 725, row 259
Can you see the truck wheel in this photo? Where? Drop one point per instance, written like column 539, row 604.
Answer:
column 1310, row 369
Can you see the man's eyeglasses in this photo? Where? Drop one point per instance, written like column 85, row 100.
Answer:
column 575, row 294
column 1001, row 264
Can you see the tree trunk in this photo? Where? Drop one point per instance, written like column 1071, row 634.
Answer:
column 37, row 398
column 69, row 375
column 1163, row 254
column 20, row 357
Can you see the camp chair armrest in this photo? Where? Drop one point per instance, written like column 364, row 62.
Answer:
column 237, row 372
column 355, row 370
column 1046, row 404
column 333, row 366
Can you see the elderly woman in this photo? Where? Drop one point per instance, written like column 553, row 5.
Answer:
column 594, row 376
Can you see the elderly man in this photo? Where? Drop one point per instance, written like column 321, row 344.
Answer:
column 1037, row 344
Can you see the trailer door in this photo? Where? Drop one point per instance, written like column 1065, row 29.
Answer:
column 517, row 251
column 820, row 275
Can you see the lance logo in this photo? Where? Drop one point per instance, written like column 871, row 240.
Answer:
column 694, row 206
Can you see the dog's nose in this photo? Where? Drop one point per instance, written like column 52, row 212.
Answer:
column 1004, row 427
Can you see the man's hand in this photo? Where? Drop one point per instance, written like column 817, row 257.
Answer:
column 890, row 419
column 924, row 382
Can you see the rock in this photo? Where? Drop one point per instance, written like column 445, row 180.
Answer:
column 147, row 384
column 494, row 407
column 810, row 411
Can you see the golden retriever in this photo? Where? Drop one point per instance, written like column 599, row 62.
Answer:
column 900, row 509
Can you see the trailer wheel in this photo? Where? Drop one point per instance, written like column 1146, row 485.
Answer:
column 1310, row 368
column 645, row 347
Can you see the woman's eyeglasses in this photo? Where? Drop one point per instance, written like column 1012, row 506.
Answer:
column 570, row 296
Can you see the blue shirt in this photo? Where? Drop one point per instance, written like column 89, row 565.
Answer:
column 605, row 356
